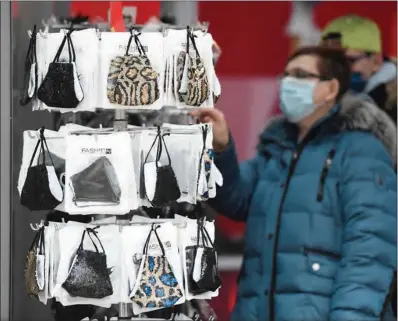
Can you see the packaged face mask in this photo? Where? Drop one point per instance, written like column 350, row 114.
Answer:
column 204, row 275
column 41, row 190
column 29, row 88
column 193, row 85
column 61, row 87
column 132, row 81
column 88, row 275
column 156, row 286
column 160, row 180
column 97, row 184
column 40, row 263
column 34, row 266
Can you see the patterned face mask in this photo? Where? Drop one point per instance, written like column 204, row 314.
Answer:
column 132, row 81
column 34, row 266
column 193, row 85
column 157, row 286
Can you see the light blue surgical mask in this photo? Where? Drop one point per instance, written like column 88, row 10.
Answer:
column 296, row 98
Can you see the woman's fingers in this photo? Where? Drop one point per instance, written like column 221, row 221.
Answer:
column 208, row 115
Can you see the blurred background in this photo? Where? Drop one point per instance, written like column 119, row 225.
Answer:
column 253, row 41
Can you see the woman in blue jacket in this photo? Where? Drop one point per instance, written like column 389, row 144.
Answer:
column 319, row 200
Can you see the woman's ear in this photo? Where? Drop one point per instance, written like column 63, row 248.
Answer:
column 333, row 90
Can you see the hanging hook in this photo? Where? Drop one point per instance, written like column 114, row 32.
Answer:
column 34, row 227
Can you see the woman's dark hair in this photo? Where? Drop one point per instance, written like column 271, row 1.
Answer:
column 332, row 64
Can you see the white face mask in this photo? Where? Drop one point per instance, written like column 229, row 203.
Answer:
column 296, row 98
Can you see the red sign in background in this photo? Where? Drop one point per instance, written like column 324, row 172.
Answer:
column 93, row 9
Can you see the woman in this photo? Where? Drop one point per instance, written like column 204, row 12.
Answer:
column 319, row 200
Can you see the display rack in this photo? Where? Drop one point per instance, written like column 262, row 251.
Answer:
column 120, row 123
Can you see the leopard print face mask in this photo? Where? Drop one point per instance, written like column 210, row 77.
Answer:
column 192, row 82
column 132, row 81
column 157, row 285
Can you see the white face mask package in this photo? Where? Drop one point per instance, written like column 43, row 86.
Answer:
column 203, row 184
column 187, row 240
column 99, row 174
column 114, row 45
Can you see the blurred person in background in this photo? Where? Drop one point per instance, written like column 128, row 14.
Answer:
column 319, row 200
column 371, row 72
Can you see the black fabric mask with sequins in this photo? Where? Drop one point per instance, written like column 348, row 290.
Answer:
column 88, row 274
column 58, row 88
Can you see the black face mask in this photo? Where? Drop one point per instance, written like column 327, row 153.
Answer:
column 29, row 88
column 36, row 192
column 88, row 274
column 61, row 87
column 97, row 183
column 166, row 189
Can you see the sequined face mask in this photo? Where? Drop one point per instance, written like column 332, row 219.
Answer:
column 203, row 273
column 193, row 85
column 34, row 265
column 88, row 275
column 132, row 81
column 61, row 87
column 157, row 286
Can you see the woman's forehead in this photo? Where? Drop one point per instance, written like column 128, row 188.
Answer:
column 304, row 62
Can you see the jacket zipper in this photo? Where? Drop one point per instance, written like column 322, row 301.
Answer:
column 308, row 250
column 324, row 174
column 292, row 167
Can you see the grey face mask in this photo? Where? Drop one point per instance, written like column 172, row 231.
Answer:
column 96, row 184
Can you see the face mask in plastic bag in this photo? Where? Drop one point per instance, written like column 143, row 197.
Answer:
column 97, row 183
column 194, row 85
column 132, row 81
column 41, row 190
column 166, row 188
column 157, row 286
column 88, row 274
column 61, row 87
column 30, row 73
column 205, row 276
column 34, row 269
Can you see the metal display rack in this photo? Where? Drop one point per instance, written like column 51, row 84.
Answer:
column 120, row 123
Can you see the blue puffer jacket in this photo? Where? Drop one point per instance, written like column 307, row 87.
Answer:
column 320, row 241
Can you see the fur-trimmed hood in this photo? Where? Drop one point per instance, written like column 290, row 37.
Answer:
column 355, row 112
